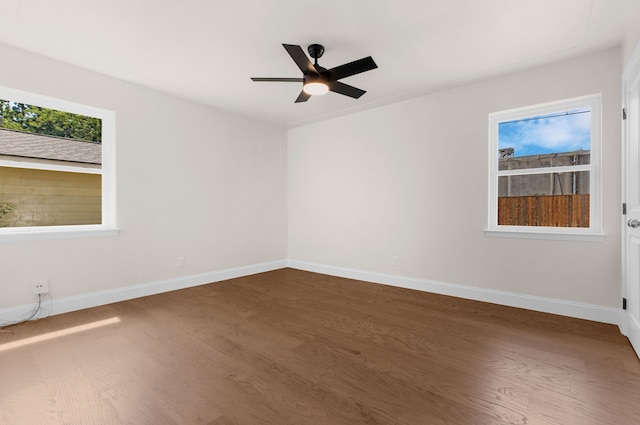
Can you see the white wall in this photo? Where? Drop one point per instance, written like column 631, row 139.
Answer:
column 630, row 43
column 407, row 179
column 410, row 180
column 191, row 181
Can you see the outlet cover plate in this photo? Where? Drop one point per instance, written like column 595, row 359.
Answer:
column 41, row 286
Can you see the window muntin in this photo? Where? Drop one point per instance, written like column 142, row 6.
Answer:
column 544, row 168
column 51, row 162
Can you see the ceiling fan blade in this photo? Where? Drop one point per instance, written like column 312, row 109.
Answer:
column 349, row 69
column 300, row 58
column 302, row 97
column 346, row 89
column 280, row 80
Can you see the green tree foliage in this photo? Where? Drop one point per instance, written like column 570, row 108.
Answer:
column 6, row 208
column 36, row 119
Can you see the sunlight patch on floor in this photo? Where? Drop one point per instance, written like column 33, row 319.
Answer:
column 57, row 334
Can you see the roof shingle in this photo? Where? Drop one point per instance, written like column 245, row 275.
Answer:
column 30, row 145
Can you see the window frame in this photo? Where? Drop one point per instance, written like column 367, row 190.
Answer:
column 108, row 227
column 594, row 231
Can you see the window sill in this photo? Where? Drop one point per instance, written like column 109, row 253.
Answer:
column 536, row 234
column 55, row 232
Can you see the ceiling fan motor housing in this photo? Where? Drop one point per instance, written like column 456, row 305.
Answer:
column 316, row 51
column 313, row 78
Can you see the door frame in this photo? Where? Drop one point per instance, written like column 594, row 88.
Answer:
column 631, row 73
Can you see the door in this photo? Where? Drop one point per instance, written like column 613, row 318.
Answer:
column 631, row 195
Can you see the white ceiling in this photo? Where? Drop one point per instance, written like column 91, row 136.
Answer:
column 207, row 50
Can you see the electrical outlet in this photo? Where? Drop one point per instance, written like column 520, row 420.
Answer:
column 395, row 260
column 41, row 286
column 180, row 262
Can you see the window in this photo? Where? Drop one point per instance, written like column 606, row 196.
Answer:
column 56, row 168
column 544, row 170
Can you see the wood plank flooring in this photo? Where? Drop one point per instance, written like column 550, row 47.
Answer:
column 292, row 347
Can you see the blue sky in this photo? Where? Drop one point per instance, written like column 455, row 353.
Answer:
column 560, row 132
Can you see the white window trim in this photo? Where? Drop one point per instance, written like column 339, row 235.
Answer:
column 108, row 118
column 594, row 232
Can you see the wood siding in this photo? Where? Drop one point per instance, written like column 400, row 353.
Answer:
column 544, row 210
column 50, row 198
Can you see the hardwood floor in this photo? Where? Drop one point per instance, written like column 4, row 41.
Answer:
column 292, row 347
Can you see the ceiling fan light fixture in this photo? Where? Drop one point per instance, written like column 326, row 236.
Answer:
column 315, row 88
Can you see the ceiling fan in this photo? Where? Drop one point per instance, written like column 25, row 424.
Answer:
column 317, row 80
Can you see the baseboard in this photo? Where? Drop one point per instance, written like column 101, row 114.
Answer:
column 547, row 305
column 94, row 299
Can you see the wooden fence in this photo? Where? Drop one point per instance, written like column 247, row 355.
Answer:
column 544, row 210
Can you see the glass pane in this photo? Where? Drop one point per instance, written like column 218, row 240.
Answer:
column 549, row 199
column 552, row 140
column 31, row 197
column 45, row 139
column 51, row 122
